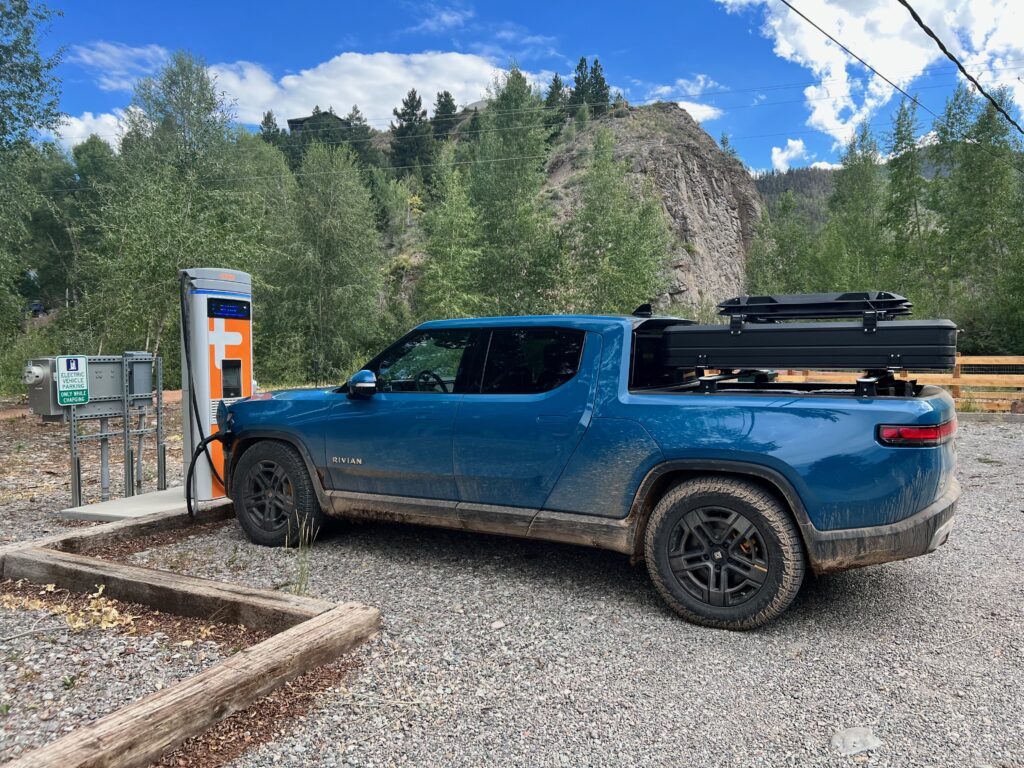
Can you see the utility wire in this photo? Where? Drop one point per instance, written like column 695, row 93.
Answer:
column 928, row 31
column 891, row 83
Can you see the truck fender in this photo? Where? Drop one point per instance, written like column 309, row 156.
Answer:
column 664, row 475
column 248, row 438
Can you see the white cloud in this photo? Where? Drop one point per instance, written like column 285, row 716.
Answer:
column 988, row 36
column 117, row 66
column 375, row 81
column 107, row 125
column 442, row 19
column 783, row 157
column 702, row 113
column 683, row 86
column 827, row 166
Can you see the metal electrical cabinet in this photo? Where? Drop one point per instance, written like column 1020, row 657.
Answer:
column 128, row 387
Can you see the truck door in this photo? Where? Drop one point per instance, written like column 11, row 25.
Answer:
column 399, row 441
column 514, row 437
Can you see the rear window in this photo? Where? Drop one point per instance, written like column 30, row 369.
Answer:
column 528, row 361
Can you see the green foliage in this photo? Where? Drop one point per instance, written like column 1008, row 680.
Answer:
column 580, row 84
column 598, row 92
column 615, row 242
column 412, row 138
column 507, row 175
column 448, row 285
column 333, row 281
column 179, row 114
column 29, row 92
column 555, row 102
column 941, row 225
column 444, row 119
column 361, row 138
column 391, row 200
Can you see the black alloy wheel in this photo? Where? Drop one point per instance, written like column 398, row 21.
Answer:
column 270, row 495
column 718, row 556
column 724, row 552
column 275, row 501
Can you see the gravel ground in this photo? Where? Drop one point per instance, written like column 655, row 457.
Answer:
column 498, row 651
column 57, row 679
column 35, row 477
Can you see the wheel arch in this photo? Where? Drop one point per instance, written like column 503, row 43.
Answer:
column 248, row 439
column 665, row 476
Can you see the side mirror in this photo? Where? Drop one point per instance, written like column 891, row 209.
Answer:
column 362, row 384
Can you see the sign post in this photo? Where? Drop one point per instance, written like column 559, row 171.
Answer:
column 72, row 380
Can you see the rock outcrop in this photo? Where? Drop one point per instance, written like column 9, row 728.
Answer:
column 710, row 198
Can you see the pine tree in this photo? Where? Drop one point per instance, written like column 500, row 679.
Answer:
column 554, row 102
column 785, row 256
column 444, row 119
column 597, row 90
column 360, row 136
column 270, row 132
column 412, row 142
column 580, row 85
column 980, row 224
column 727, row 146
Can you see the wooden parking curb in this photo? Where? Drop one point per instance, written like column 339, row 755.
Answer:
column 83, row 540
column 138, row 734
column 163, row 590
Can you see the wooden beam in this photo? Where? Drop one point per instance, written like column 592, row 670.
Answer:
column 98, row 536
column 140, row 733
column 163, row 590
column 992, row 360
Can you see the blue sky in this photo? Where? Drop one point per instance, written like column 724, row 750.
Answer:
column 747, row 68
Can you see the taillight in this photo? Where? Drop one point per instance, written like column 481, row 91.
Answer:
column 917, row 436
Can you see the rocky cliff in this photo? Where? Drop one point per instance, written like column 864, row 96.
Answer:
column 709, row 197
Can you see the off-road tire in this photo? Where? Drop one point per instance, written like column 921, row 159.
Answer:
column 774, row 532
column 272, row 475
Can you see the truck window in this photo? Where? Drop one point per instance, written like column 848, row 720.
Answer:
column 426, row 362
column 527, row 361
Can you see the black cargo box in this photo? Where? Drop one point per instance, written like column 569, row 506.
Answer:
column 917, row 345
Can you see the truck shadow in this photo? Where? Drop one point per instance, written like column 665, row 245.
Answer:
column 878, row 595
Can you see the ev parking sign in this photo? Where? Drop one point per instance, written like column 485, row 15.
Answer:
column 72, row 380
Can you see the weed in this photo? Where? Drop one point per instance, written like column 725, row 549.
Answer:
column 307, row 535
column 5, row 709
column 68, row 681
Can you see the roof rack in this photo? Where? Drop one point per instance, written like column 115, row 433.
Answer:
column 882, row 305
column 756, row 337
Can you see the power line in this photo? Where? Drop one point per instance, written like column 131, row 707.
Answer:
column 928, row 31
column 854, row 55
column 891, row 83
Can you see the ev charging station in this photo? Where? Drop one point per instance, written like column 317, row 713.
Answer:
column 216, row 364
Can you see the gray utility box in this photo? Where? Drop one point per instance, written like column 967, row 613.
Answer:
column 111, row 378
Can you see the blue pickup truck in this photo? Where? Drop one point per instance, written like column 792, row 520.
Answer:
column 573, row 429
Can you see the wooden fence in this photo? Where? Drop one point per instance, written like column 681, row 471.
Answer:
column 978, row 382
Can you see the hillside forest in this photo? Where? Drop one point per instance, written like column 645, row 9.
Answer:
column 353, row 232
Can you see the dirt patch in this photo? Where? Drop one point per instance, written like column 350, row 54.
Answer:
column 119, row 551
column 35, row 474
column 81, row 611
column 261, row 723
